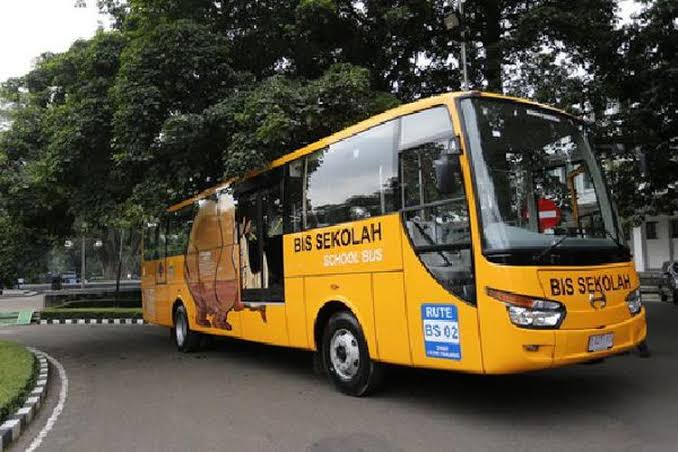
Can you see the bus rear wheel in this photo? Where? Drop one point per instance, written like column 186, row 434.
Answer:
column 346, row 357
column 187, row 340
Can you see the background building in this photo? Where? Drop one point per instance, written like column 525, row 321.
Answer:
column 655, row 242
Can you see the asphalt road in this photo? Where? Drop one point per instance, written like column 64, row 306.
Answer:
column 130, row 390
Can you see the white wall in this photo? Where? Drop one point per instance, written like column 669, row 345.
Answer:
column 658, row 250
column 637, row 248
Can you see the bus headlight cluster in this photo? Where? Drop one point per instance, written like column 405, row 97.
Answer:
column 530, row 312
column 634, row 301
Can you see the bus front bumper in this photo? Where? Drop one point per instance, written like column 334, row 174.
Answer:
column 572, row 346
column 542, row 349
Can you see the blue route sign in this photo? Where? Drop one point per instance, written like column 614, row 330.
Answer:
column 441, row 331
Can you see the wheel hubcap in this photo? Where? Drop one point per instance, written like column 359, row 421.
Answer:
column 344, row 354
column 180, row 329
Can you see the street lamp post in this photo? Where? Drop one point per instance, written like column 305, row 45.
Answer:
column 83, row 261
column 456, row 20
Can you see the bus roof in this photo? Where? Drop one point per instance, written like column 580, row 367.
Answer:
column 400, row 110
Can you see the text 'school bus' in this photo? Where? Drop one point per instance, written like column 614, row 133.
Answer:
column 469, row 232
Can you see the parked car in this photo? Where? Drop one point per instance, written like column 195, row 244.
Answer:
column 69, row 277
column 669, row 285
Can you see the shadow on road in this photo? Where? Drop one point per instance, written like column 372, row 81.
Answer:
column 604, row 386
column 564, row 392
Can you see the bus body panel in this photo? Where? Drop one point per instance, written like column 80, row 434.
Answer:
column 148, row 298
column 364, row 246
column 353, row 290
column 421, row 289
column 390, row 317
column 265, row 323
column 173, row 287
column 574, row 288
column 159, row 300
column 295, row 308
column 571, row 345
column 531, row 349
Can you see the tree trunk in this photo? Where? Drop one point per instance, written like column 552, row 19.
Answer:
column 491, row 38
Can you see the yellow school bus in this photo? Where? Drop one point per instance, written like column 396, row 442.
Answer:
column 469, row 231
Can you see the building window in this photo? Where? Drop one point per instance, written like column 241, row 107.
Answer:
column 674, row 229
column 651, row 230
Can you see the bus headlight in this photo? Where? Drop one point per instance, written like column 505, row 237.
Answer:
column 530, row 312
column 634, row 301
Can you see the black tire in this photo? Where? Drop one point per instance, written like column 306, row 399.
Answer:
column 187, row 341
column 675, row 296
column 353, row 379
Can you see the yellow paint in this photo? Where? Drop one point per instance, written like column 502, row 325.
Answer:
column 296, row 313
column 328, row 255
column 353, row 290
column 383, row 282
column 390, row 316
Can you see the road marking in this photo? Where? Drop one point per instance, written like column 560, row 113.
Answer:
column 63, row 393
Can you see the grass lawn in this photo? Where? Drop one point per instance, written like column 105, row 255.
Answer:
column 90, row 313
column 16, row 375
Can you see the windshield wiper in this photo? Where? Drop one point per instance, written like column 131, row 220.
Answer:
column 548, row 250
column 616, row 241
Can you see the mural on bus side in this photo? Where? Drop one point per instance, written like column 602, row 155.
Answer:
column 215, row 262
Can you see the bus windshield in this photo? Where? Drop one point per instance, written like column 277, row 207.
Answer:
column 541, row 194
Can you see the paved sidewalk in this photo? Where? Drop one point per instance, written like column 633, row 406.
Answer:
column 10, row 304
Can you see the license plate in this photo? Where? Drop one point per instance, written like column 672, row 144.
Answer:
column 601, row 342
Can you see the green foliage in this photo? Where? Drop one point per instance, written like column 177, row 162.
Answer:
column 280, row 114
column 183, row 93
column 13, row 242
column 647, row 118
column 18, row 368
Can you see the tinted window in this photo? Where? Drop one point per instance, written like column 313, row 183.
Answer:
column 151, row 242
column 353, row 179
column 294, row 193
column 425, row 127
column 179, row 229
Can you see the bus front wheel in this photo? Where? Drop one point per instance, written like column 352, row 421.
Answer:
column 187, row 340
column 346, row 357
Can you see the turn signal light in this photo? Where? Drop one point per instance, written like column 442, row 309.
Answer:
column 530, row 312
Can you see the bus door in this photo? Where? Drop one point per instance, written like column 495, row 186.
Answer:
column 161, row 290
column 259, row 216
column 438, row 264
column 152, row 272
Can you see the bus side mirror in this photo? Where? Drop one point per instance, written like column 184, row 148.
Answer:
column 446, row 168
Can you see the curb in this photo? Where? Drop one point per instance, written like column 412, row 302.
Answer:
column 11, row 429
column 92, row 322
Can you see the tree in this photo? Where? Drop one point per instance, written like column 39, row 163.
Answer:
column 646, row 119
column 183, row 93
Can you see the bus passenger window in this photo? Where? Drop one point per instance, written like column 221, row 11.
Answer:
column 179, row 229
column 294, row 187
column 353, row 179
column 151, row 242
